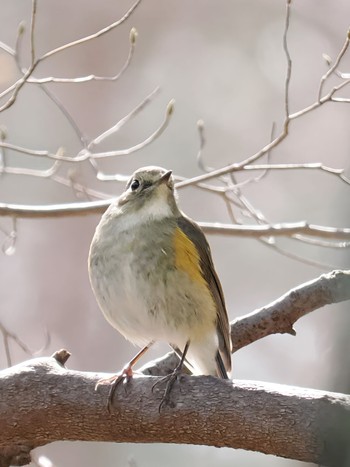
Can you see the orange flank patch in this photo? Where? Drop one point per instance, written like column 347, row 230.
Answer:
column 187, row 257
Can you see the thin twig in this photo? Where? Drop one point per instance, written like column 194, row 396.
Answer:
column 8, row 335
column 289, row 66
column 97, row 34
column 307, row 166
column 333, row 68
column 32, row 30
column 125, row 119
column 92, row 77
column 84, row 154
column 17, row 86
column 46, row 173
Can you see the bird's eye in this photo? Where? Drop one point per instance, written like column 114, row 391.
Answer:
column 135, row 184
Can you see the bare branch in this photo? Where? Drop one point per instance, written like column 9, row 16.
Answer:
column 214, row 228
column 280, row 315
column 148, row 99
column 17, row 86
column 92, row 77
column 306, row 166
column 296, row 423
column 32, row 29
column 84, row 154
column 333, row 68
column 45, row 173
column 144, row 143
column 289, row 66
column 34, row 152
column 97, row 34
column 8, row 336
column 54, row 210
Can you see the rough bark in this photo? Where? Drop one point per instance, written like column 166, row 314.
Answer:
column 280, row 315
column 42, row 401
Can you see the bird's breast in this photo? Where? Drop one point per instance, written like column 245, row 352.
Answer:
column 149, row 285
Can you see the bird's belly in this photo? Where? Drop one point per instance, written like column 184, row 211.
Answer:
column 152, row 300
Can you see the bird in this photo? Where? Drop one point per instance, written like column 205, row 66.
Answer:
column 152, row 273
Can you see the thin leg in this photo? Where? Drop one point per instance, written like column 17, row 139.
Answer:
column 124, row 375
column 173, row 377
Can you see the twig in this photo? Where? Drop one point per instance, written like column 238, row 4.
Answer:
column 32, row 29
column 213, row 228
column 97, row 34
column 289, row 66
column 17, row 86
column 307, row 166
column 92, row 77
column 85, row 154
column 137, row 147
column 125, row 119
column 333, row 68
column 8, row 335
column 45, row 173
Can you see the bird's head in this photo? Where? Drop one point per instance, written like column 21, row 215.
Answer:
column 149, row 192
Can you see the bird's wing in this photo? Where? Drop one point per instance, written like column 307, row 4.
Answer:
column 195, row 234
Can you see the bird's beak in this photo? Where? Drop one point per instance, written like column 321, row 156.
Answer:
column 165, row 178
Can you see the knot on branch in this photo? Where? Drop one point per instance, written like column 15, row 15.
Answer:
column 61, row 356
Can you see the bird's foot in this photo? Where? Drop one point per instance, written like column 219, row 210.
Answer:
column 170, row 380
column 124, row 376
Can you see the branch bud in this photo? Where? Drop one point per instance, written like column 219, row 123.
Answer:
column 133, row 35
column 3, row 132
column 200, row 125
column 170, row 107
column 327, row 58
column 21, row 28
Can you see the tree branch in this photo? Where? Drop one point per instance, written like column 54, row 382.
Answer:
column 43, row 402
column 280, row 315
column 217, row 228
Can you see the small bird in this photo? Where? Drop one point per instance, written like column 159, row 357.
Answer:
column 152, row 273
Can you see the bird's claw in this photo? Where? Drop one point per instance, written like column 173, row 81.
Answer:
column 124, row 376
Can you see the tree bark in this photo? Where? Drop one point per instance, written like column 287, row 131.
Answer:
column 42, row 402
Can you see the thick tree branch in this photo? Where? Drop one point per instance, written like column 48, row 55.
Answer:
column 280, row 315
column 43, row 402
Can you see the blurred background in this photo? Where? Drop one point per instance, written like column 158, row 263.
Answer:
column 223, row 62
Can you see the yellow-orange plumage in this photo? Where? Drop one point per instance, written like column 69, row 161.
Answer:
column 187, row 257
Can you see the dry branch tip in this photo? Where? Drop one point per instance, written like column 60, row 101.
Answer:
column 61, row 356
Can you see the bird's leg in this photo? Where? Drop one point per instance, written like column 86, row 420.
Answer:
column 172, row 377
column 125, row 375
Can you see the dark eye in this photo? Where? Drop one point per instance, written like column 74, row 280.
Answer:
column 135, row 184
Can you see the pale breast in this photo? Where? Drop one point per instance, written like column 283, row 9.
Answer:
column 141, row 292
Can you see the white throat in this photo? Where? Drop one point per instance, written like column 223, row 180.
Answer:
column 154, row 209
